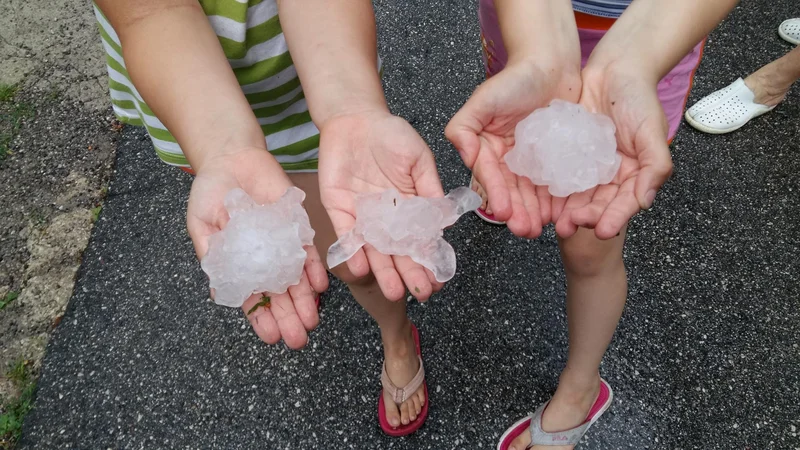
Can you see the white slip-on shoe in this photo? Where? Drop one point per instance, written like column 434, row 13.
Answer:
column 726, row 110
column 790, row 31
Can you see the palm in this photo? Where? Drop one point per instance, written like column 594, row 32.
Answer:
column 370, row 153
column 293, row 313
column 634, row 107
column 483, row 132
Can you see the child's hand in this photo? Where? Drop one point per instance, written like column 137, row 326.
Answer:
column 632, row 103
column 483, row 132
column 292, row 314
column 370, row 152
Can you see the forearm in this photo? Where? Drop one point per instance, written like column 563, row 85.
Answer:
column 176, row 63
column 334, row 48
column 652, row 36
column 542, row 30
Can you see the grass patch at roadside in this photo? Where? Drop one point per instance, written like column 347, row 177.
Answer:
column 7, row 299
column 7, row 92
column 14, row 409
column 12, row 115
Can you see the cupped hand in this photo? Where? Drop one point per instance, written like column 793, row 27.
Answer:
column 370, row 152
column 483, row 132
column 288, row 316
column 632, row 103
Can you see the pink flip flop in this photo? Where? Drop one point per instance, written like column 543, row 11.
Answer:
column 489, row 218
column 533, row 424
column 401, row 394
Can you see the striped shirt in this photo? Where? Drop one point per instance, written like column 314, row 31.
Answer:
column 251, row 37
column 603, row 8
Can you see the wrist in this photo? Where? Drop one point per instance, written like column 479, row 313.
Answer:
column 542, row 30
column 214, row 152
column 348, row 105
column 627, row 62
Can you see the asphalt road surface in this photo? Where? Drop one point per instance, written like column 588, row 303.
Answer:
column 706, row 355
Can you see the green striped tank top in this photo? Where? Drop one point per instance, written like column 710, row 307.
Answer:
column 251, row 36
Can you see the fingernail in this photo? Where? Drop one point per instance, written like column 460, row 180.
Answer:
column 649, row 198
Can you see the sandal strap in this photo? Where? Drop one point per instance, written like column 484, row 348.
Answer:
column 400, row 395
column 566, row 437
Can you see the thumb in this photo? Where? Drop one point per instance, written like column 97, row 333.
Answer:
column 199, row 232
column 464, row 128
column 655, row 164
column 426, row 177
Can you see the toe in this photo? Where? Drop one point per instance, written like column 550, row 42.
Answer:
column 412, row 411
column 392, row 413
column 405, row 415
column 417, row 406
column 479, row 190
column 521, row 442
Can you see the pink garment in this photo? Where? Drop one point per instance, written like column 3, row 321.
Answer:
column 673, row 89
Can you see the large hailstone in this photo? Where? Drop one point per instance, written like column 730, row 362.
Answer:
column 565, row 147
column 412, row 227
column 260, row 249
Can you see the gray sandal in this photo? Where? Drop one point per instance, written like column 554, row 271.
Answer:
column 533, row 424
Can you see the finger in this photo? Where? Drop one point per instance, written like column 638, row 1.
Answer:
column 530, row 201
column 489, row 174
column 414, row 277
column 315, row 270
column 619, row 212
column 261, row 320
column 545, row 204
column 358, row 264
column 303, row 299
column 565, row 227
column 426, row 176
column 199, row 232
column 655, row 162
column 385, row 274
column 588, row 216
column 557, row 205
column 520, row 222
column 436, row 286
column 463, row 131
column 343, row 222
column 292, row 330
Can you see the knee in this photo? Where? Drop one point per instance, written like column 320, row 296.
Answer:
column 586, row 256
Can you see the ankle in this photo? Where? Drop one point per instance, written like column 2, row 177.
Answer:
column 578, row 388
column 769, row 89
column 398, row 341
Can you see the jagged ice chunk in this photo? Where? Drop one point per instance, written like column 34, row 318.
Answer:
column 260, row 249
column 412, row 227
column 565, row 147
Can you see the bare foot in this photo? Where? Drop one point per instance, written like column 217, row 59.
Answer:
column 767, row 85
column 476, row 186
column 402, row 363
column 568, row 409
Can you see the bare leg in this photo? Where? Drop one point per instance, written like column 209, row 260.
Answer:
column 596, row 293
column 398, row 343
column 771, row 82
